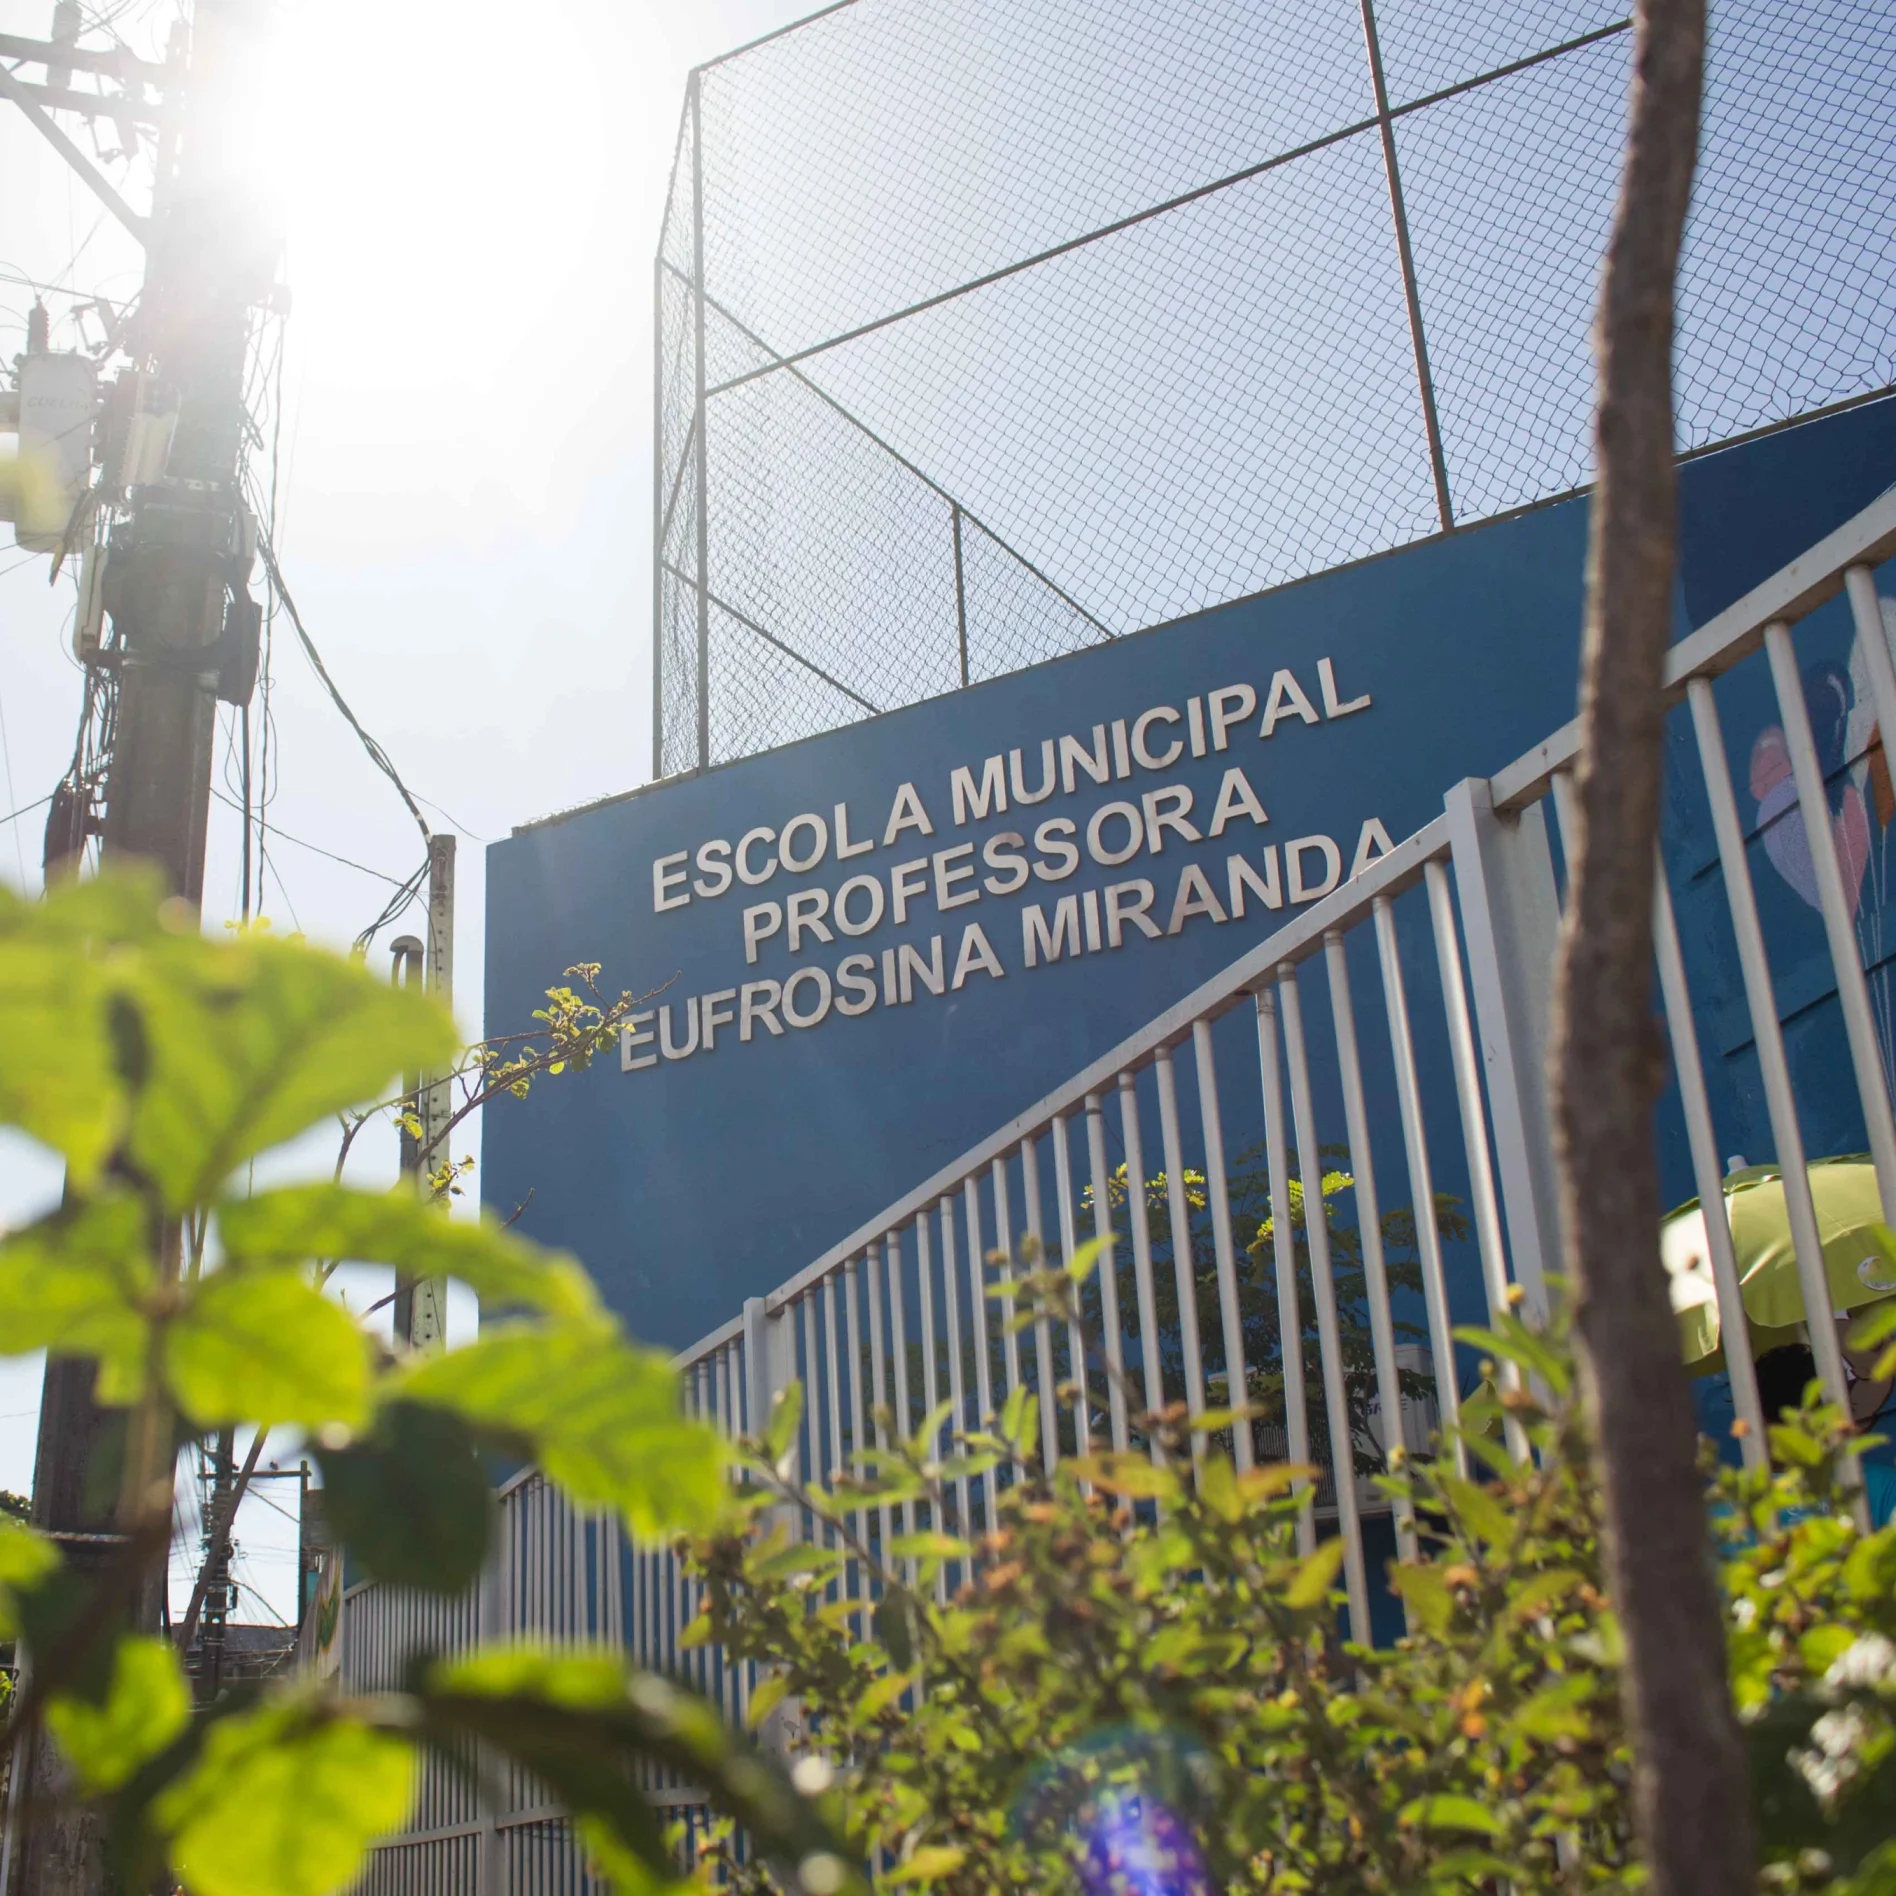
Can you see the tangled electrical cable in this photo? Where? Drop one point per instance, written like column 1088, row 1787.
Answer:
column 397, row 904
column 377, row 755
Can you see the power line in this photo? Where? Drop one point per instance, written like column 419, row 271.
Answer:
column 397, row 905
column 232, row 804
column 377, row 755
column 27, row 809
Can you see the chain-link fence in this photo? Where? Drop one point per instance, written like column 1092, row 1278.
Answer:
column 989, row 329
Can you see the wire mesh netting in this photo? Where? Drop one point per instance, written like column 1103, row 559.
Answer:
column 989, row 329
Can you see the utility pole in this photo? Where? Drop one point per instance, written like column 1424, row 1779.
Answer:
column 175, row 584
column 421, row 1304
column 217, row 1552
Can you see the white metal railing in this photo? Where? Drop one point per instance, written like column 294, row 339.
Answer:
column 896, row 1318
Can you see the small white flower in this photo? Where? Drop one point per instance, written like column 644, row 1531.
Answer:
column 812, row 1775
column 1867, row 1665
column 822, row 1874
column 1829, row 1762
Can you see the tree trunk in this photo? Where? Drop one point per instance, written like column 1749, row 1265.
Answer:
column 1689, row 1790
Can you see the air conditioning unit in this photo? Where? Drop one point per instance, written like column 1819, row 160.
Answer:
column 55, row 401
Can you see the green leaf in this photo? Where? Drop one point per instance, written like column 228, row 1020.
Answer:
column 1218, row 1489
column 1539, row 1591
column 928, row 1864
column 74, row 1283
column 1514, row 1342
column 1020, row 1418
column 1558, row 1712
column 1446, row 1811
column 621, row 1868
column 283, row 1801
column 1085, row 1259
column 1478, row 1511
column 59, row 1081
column 881, row 1695
column 798, row 1559
column 1315, row 1576
column 267, row 1347
column 579, row 1723
column 303, row 1223
column 892, row 1628
column 1135, row 1476
column 926, row 1439
column 786, row 1411
column 1878, row 1321
column 1426, row 1594
column 411, row 1500
column 1469, row 1866
column 27, row 1561
column 930, row 1544
column 603, row 1418
column 146, row 1706
column 769, row 1694
column 248, row 1044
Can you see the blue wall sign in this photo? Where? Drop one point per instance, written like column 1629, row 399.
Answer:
column 865, row 951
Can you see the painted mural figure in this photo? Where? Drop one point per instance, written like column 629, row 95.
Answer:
column 1862, row 799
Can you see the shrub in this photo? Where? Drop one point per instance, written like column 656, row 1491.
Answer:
column 158, row 1065
column 1139, row 1681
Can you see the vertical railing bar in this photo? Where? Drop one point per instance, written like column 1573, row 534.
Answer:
column 677, row 1590
column 1290, row 1321
column 1004, row 1244
column 1382, row 1330
column 1069, row 1243
column 1043, row 1334
column 858, row 1421
column 898, row 1351
column 1767, row 1036
column 957, row 1389
column 1107, row 1274
column 978, row 1332
column 1150, row 1358
column 1474, row 1119
column 1178, row 1217
column 729, row 1685
column 1853, row 994
column 1733, row 1329
column 1700, row 1136
column 832, row 1376
column 642, row 1649
column 931, row 1383
column 1329, row 1341
column 812, row 1409
column 1866, row 613
column 878, row 1380
column 1428, row 1234
column 1218, row 1191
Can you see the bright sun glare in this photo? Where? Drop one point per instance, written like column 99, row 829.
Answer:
column 433, row 157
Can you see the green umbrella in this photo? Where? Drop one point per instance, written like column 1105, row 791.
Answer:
column 1859, row 1254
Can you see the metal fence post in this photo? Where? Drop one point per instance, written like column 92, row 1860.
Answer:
column 1510, row 912
column 1425, row 381
column 703, row 496
column 961, row 593
column 770, row 1367
column 489, row 1631
column 770, row 1363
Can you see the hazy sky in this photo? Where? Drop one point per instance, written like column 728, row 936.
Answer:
column 471, row 193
